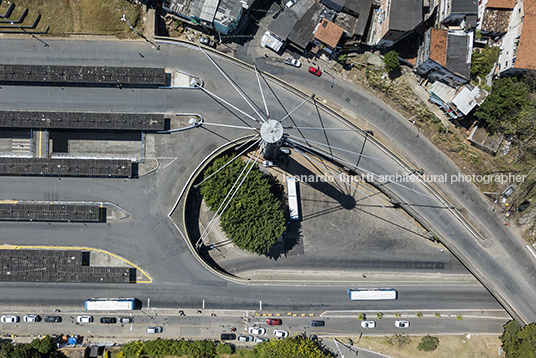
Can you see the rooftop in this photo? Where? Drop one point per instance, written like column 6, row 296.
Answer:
column 501, row 4
column 328, row 33
column 464, row 7
column 496, row 20
column 459, row 48
column 405, row 14
column 438, row 45
column 525, row 58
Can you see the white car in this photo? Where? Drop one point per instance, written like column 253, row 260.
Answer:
column 402, row 324
column 261, row 339
column 368, row 324
column 293, row 62
column 31, row 318
column 279, row 333
column 257, row 330
column 84, row 319
column 9, row 319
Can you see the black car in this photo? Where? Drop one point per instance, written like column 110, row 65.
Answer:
column 228, row 337
column 53, row 319
column 316, row 323
column 108, row 320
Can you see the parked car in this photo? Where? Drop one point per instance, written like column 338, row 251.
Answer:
column 274, row 322
column 270, row 163
column 285, row 151
column 261, row 339
column 290, row 3
column 227, row 337
column 53, row 319
column 315, row 71
column 317, row 323
column 207, row 41
column 257, row 330
column 313, row 338
column 152, row 330
column 9, row 319
column 31, row 318
column 368, row 324
column 108, row 320
column 125, row 320
column 292, row 62
column 279, row 333
column 84, row 319
column 245, row 338
column 402, row 324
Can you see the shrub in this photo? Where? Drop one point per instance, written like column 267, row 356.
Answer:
column 428, row 344
column 391, row 61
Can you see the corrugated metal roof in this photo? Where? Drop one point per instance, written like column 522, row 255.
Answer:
column 464, row 7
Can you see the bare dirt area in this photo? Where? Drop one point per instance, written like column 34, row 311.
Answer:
column 449, row 346
column 65, row 17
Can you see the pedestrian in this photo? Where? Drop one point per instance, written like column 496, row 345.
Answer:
column 363, row 276
column 198, row 311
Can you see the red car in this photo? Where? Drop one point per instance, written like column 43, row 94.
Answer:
column 273, row 322
column 315, row 71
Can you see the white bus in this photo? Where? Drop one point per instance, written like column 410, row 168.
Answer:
column 292, row 199
column 110, row 304
column 366, row 294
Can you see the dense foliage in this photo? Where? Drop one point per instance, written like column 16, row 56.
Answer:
column 169, row 348
column 253, row 220
column 38, row 348
column 519, row 342
column 428, row 344
column 290, row 347
column 391, row 61
column 482, row 61
column 502, row 107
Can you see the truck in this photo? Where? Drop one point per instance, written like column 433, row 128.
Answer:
column 369, row 294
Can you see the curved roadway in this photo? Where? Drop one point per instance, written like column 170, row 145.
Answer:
column 178, row 277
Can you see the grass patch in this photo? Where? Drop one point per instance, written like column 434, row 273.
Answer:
column 449, row 346
column 64, row 17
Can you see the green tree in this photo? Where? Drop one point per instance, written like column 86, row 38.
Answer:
column 391, row 61
column 428, row 344
column 482, row 61
column 253, row 220
column 295, row 347
column 507, row 98
column 342, row 58
column 519, row 342
column 223, row 348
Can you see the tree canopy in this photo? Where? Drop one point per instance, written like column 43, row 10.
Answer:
column 391, row 61
column 482, row 61
column 38, row 348
column 290, row 347
column 519, row 342
column 254, row 219
column 501, row 108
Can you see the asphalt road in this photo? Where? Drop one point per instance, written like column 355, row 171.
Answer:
column 157, row 192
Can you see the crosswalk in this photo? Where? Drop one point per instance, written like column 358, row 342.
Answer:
column 21, row 146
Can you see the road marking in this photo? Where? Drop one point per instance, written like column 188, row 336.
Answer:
column 531, row 250
column 18, row 247
column 9, row 201
column 39, row 155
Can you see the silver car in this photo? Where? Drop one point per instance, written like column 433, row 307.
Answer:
column 402, row 324
column 245, row 338
column 292, row 62
column 368, row 324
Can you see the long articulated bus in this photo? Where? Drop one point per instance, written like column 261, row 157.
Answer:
column 365, row 294
column 110, row 304
column 293, row 199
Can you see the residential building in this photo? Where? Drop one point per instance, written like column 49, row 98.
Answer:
column 327, row 36
column 393, row 20
column 455, row 11
column 352, row 15
column 519, row 44
column 445, row 56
